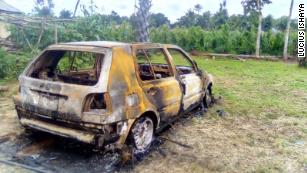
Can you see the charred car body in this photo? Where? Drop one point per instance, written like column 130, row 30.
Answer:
column 110, row 92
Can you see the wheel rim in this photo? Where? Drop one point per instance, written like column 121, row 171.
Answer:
column 143, row 134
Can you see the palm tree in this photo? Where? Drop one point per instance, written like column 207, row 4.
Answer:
column 256, row 6
column 287, row 32
column 259, row 29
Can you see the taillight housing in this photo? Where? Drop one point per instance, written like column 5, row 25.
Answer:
column 95, row 102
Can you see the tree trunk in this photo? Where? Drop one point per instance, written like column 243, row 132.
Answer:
column 55, row 33
column 27, row 40
column 142, row 25
column 40, row 36
column 287, row 32
column 259, row 34
column 76, row 7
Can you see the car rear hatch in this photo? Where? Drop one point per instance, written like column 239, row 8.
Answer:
column 48, row 90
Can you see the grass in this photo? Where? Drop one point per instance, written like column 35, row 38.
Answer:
column 269, row 89
column 265, row 129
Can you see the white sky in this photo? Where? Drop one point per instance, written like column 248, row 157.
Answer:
column 173, row 9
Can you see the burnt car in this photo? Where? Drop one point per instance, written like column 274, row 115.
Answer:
column 110, row 93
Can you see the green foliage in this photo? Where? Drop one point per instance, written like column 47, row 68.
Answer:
column 232, row 37
column 157, row 20
column 303, row 62
column 73, row 60
column 96, row 27
column 254, row 5
column 189, row 19
column 220, row 18
column 11, row 65
column 267, row 23
column 281, row 23
column 198, row 8
column 223, row 40
column 43, row 8
column 65, row 14
column 204, row 20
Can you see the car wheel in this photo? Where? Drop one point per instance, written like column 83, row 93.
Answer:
column 208, row 97
column 142, row 134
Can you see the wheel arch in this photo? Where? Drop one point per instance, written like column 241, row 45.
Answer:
column 153, row 115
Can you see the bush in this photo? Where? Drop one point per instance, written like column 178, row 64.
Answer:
column 224, row 40
column 11, row 65
column 303, row 62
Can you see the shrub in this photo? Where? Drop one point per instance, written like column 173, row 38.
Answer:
column 11, row 65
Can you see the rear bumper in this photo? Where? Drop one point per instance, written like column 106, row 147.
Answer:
column 59, row 130
column 96, row 134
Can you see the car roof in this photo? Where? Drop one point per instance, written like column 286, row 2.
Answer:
column 107, row 44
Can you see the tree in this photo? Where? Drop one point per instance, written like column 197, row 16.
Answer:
column 243, row 22
column 141, row 21
column 281, row 23
column 65, row 14
column 43, row 8
column 255, row 6
column 287, row 32
column 221, row 17
column 198, row 8
column 204, row 20
column 114, row 17
column 157, row 20
column 90, row 9
column 267, row 23
column 188, row 20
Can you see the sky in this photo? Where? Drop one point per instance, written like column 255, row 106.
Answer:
column 173, row 9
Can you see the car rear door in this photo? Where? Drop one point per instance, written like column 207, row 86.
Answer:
column 157, row 79
column 62, row 96
column 188, row 75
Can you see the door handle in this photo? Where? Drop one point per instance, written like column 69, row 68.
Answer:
column 153, row 90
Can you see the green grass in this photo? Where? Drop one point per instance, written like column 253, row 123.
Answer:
column 259, row 88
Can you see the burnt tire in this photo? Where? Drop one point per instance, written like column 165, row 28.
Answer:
column 208, row 99
column 142, row 135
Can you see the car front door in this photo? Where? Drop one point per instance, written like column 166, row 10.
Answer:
column 158, row 81
column 189, row 77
